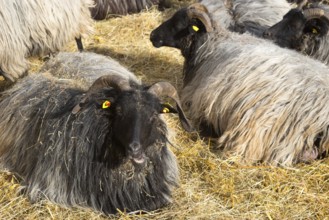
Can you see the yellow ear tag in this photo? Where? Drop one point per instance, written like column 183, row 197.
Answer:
column 195, row 28
column 165, row 110
column 315, row 31
column 106, row 104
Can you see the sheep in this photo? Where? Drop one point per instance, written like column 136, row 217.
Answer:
column 110, row 155
column 85, row 67
column 263, row 103
column 252, row 16
column 107, row 8
column 37, row 28
column 304, row 30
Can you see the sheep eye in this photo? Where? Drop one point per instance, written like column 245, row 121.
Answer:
column 195, row 28
column 119, row 110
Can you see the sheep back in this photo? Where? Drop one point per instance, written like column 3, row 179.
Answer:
column 106, row 8
column 85, row 67
column 268, row 103
column 253, row 16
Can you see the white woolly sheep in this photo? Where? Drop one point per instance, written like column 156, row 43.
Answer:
column 37, row 27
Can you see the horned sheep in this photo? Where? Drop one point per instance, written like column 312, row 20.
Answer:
column 264, row 103
column 37, row 27
column 305, row 30
column 110, row 155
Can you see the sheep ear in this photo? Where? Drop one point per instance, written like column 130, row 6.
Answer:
column 200, row 12
column 167, row 108
column 317, row 27
column 105, row 104
column 166, row 89
column 107, row 81
column 194, row 28
column 317, row 21
column 197, row 27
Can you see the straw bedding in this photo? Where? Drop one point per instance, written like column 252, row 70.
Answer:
column 210, row 188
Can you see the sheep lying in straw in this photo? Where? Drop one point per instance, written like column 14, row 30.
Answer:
column 106, row 8
column 265, row 103
column 304, row 30
column 85, row 67
column 38, row 27
column 253, row 16
column 111, row 155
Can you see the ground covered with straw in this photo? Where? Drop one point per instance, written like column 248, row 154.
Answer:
column 210, row 188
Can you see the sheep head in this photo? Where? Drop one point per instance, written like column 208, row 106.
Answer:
column 296, row 25
column 134, row 111
column 184, row 24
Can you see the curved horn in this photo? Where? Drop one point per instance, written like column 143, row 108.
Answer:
column 200, row 12
column 312, row 13
column 114, row 81
column 301, row 4
column 166, row 89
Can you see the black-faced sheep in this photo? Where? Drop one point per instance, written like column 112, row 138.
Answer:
column 252, row 16
column 112, row 155
column 37, row 27
column 304, row 30
column 108, row 8
column 264, row 103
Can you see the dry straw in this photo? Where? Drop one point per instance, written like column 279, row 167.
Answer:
column 211, row 188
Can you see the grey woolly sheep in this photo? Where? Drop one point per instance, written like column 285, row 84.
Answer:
column 110, row 155
column 106, row 8
column 264, row 103
column 37, row 27
column 85, row 67
column 253, row 16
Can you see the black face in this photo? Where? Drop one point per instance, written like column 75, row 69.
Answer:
column 172, row 32
column 288, row 32
column 136, row 123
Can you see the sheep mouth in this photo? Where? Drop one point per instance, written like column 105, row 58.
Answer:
column 138, row 158
column 157, row 44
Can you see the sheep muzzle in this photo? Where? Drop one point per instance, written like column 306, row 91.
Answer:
column 135, row 153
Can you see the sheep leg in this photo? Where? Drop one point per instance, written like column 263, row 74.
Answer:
column 207, row 130
column 7, row 76
column 310, row 155
column 79, row 43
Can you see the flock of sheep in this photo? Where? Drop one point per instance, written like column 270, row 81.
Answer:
column 86, row 132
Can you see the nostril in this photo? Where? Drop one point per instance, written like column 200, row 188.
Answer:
column 134, row 146
column 156, row 40
column 266, row 34
column 152, row 36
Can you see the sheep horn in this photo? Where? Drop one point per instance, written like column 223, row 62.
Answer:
column 114, row 81
column 301, row 4
column 312, row 13
column 166, row 89
column 200, row 12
